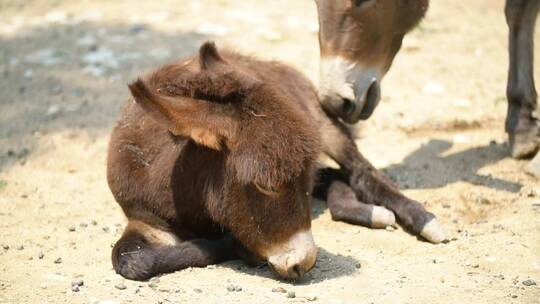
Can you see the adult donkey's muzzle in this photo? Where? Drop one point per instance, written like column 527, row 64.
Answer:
column 367, row 95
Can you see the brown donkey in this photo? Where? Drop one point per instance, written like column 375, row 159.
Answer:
column 359, row 39
column 217, row 154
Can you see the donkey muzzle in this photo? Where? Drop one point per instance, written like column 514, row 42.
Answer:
column 295, row 257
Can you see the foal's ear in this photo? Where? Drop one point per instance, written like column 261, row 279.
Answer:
column 209, row 56
column 204, row 122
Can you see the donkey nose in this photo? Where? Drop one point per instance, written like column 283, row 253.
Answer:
column 367, row 96
column 296, row 258
column 347, row 107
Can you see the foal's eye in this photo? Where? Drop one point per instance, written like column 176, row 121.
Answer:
column 358, row 3
column 270, row 191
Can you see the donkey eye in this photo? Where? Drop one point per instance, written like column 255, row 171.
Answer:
column 270, row 191
column 358, row 3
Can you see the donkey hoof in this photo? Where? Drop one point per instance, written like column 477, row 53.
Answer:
column 382, row 217
column 524, row 144
column 433, row 232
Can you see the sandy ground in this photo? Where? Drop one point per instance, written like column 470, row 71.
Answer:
column 438, row 133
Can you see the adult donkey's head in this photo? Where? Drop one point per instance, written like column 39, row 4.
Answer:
column 358, row 41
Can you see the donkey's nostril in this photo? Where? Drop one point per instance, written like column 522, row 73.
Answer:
column 348, row 106
column 296, row 271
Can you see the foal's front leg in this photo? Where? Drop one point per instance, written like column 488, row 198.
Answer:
column 144, row 251
column 372, row 187
column 343, row 204
column 522, row 127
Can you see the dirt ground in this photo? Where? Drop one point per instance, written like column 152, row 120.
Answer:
column 438, row 133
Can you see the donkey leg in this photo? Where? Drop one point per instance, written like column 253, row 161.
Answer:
column 522, row 127
column 372, row 187
column 332, row 187
column 345, row 207
column 144, row 251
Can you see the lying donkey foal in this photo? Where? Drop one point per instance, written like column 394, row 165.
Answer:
column 216, row 156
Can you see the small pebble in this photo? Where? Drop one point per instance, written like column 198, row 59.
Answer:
column 40, row 255
column 358, row 265
column 93, row 222
column 21, row 247
column 529, row 282
column 5, row 246
column 77, row 282
column 71, row 228
column 279, row 289
column 58, row 261
column 75, row 288
column 197, row 290
column 84, row 225
column 291, row 294
column 120, row 286
column 105, row 229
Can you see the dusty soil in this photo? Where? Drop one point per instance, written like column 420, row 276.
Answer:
column 438, row 133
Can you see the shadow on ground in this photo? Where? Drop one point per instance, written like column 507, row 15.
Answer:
column 73, row 77
column 327, row 267
column 428, row 168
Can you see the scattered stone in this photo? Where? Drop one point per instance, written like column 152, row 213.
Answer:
column 40, row 255
column 358, row 265
column 53, row 111
column 232, row 288
column 75, row 288
column 20, row 247
column 120, row 286
column 153, row 283
column 58, row 261
column 93, row 222
column 105, row 229
column 137, row 28
column 197, row 290
column 77, row 282
column 529, row 282
column 291, row 294
column 310, row 298
column 279, row 289
column 29, row 73
column 83, row 225
column 164, row 289
column 71, row 228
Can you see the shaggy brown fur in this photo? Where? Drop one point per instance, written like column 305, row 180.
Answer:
column 217, row 153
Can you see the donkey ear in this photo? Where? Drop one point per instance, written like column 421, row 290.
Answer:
column 204, row 122
column 209, row 56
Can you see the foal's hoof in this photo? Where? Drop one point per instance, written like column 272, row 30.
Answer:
column 524, row 144
column 382, row 217
column 433, row 232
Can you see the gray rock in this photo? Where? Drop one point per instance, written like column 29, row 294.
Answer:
column 120, row 286
column 529, row 282
column 291, row 294
column 77, row 282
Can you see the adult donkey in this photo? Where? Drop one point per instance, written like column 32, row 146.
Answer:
column 360, row 38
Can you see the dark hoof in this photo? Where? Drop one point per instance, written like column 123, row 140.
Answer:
column 524, row 144
column 132, row 262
